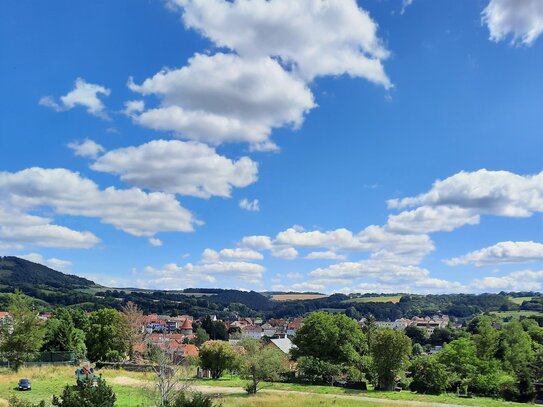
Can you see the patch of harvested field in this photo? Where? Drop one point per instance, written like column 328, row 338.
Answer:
column 297, row 297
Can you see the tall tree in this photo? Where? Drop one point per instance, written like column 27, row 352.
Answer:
column 369, row 328
column 261, row 362
column 61, row 335
column 391, row 351
column 107, row 336
column 22, row 337
column 417, row 335
column 428, row 376
column 333, row 338
column 515, row 347
column 217, row 356
column 134, row 317
column 485, row 337
column 460, row 359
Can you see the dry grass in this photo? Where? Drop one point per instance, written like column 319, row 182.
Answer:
column 298, row 400
column 520, row 300
column 297, row 297
column 385, row 298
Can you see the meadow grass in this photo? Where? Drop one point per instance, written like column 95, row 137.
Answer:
column 49, row 381
column 519, row 300
column 515, row 314
column 282, row 399
column 234, row 381
column 385, row 298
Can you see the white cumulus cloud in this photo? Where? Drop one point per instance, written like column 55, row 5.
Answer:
column 501, row 253
column 211, row 256
column 225, row 98
column 67, row 193
column 500, row 193
column 251, row 206
column 54, row 263
column 185, row 168
column 86, row 148
column 521, row 20
column 318, row 38
column 84, row 94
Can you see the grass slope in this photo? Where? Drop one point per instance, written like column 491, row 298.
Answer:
column 297, row 297
column 385, row 298
column 131, row 391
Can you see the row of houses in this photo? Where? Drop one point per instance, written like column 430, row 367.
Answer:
column 153, row 323
column 429, row 324
column 279, row 330
column 249, row 327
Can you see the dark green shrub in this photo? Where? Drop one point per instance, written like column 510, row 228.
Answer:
column 89, row 395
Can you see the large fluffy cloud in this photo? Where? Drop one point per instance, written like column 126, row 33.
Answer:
column 84, row 94
column 501, row 253
column 67, row 193
column 427, row 219
column 186, row 168
column 315, row 37
column 371, row 239
column 522, row 20
column 225, row 98
column 499, row 193
column 174, row 276
column 213, row 256
column 525, row 280
column 19, row 229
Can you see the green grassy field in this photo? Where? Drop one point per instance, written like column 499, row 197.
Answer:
column 519, row 300
column 50, row 381
column 133, row 389
column 514, row 314
column 234, row 381
column 385, row 298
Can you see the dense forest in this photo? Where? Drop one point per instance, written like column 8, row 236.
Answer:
column 51, row 289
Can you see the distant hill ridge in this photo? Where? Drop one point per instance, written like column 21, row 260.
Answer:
column 18, row 273
column 51, row 288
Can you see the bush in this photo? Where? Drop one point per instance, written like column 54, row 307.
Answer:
column 217, row 357
column 89, row 395
column 318, row 371
column 428, row 376
column 194, row 400
column 15, row 402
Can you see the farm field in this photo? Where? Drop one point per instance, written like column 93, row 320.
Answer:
column 297, row 297
column 385, row 298
column 515, row 314
column 520, row 300
column 132, row 390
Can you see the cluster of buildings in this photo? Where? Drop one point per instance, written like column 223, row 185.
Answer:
column 429, row 324
column 174, row 334
column 257, row 329
column 154, row 323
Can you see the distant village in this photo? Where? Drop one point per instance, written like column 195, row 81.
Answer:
column 175, row 334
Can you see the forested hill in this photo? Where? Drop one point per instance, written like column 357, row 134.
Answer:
column 43, row 283
column 17, row 272
column 52, row 288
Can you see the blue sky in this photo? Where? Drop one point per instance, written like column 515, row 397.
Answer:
column 378, row 146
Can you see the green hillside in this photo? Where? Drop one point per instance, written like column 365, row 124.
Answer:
column 17, row 272
column 43, row 283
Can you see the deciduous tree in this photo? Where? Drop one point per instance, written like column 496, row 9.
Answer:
column 260, row 362
column 391, row 351
column 22, row 337
column 217, row 357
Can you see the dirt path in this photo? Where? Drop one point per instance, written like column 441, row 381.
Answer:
column 128, row 381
